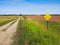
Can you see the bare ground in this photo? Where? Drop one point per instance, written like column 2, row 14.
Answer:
column 5, row 26
column 5, row 36
column 53, row 18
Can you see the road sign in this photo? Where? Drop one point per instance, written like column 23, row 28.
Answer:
column 47, row 16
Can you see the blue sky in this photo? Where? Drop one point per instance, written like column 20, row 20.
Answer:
column 29, row 6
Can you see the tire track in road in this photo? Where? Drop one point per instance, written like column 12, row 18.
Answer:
column 5, row 26
column 5, row 36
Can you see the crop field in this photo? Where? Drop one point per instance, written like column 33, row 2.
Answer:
column 29, row 30
column 6, row 19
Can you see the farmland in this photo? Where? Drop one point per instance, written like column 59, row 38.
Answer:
column 6, row 19
column 30, row 30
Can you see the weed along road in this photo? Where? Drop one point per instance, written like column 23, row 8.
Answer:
column 5, row 36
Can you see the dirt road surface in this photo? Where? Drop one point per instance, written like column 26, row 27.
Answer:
column 5, row 36
column 5, row 26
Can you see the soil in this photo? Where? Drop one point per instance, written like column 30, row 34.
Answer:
column 53, row 18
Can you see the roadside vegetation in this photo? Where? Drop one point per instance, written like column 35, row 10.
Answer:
column 28, row 33
column 53, row 29
column 5, row 22
column 7, row 19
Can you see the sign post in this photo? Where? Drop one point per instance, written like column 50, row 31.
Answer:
column 47, row 17
column 47, row 25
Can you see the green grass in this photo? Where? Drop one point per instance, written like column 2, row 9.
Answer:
column 52, row 26
column 54, row 29
column 9, row 26
column 5, row 21
column 30, row 34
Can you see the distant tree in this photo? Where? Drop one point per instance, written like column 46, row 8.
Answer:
column 20, row 14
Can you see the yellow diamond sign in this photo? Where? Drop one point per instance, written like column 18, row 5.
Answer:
column 47, row 16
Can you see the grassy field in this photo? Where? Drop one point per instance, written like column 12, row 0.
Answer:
column 33, row 32
column 6, row 19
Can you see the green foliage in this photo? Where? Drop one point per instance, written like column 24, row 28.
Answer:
column 54, row 30
column 5, row 21
column 30, row 34
column 20, row 14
